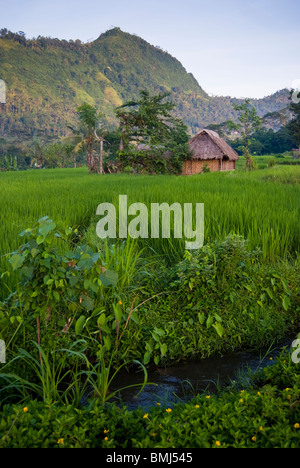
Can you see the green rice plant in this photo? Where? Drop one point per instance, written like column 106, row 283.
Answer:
column 99, row 377
column 53, row 380
column 122, row 256
column 262, row 206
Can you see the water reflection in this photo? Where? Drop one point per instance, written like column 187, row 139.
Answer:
column 187, row 379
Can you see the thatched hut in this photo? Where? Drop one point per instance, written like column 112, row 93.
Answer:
column 210, row 151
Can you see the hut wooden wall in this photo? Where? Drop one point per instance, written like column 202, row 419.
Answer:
column 195, row 166
column 228, row 165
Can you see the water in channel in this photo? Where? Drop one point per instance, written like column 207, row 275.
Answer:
column 182, row 382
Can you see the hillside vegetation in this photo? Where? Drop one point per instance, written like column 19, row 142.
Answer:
column 48, row 78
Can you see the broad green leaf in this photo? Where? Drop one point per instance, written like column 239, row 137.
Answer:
column 201, row 318
column 46, row 263
column 269, row 292
column 27, row 272
column 85, row 262
column 105, row 328
column 56, row 295
column 209, row 321
column 218, row 318
column 46, row 226
column 40, row 240
column 73, row 280
column 147, row 357
column 87, row 303
column 97, row 312
column 80, row 325
column 109, row 278
column 107, row 342
column 219, row 329
column 232, row 297
column 135, row 317
column 34, row 252
column 101, row 320
column 149, row 347
column 286, row 302
column 26, row 233
column 286, row 286
column 118, row 313
column 16, row 261
column 164, row 349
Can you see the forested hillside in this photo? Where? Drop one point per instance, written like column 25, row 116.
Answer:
column 48, row 78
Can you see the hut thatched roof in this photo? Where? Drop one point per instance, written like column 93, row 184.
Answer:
column 208, row 145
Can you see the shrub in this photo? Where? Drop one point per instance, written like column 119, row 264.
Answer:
column 220, row 298
column 56, row 285
column 272, row 162
column 205, row 168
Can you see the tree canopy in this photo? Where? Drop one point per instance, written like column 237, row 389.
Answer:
column 86, row 135
column 294, row 125
column 152, row 140
column 249, row 122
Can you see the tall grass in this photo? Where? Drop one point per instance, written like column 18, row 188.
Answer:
column 263, row 206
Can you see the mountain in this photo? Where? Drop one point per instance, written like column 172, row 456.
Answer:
column 47, row 79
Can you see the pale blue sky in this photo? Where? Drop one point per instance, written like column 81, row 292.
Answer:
column 232, row 47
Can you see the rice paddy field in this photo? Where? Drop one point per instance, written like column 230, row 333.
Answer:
column 263, row 206
column 230, row 296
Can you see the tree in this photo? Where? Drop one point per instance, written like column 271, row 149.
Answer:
column 249, row 122
column 89, row 120
column 294, row 125
column 9, row 163
column 266, row 141
column 38, row 159
column 58, row 154
column 151, row 138
column 101, row 141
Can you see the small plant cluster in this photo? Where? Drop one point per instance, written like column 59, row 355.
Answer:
column 214, row 275
column 264, row 415
column 56, row 285
column 219, row 299
column 153, row 160
column 56, row 305
column 9, row 163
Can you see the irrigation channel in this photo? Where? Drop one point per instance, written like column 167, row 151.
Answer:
column 182, row 382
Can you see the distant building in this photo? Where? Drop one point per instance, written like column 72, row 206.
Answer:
column 210, row 151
